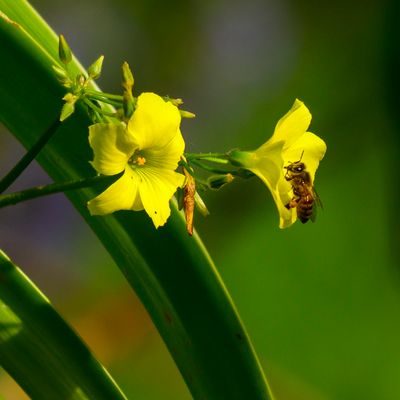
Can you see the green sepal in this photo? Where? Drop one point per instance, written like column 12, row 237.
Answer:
column 69, row 106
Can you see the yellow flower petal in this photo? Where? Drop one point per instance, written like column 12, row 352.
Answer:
column 284, row 195
column 156, row 188
column 111, row 147
column 293, row 124
column 121, row 195
column 168, row 156
column 313, row 149
column 154, row 123
column 268, row 164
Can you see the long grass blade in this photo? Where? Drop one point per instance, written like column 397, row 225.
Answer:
column 171, row 272
column 40, row 351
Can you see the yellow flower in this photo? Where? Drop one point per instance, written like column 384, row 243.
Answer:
column 288, row 144
column 148, row 150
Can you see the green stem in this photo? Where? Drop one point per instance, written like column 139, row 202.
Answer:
column 45, row 190
column 212, row 169
column 102, row 94
column 219, row 158
column 23, row 163
column 104, row 99
column 93, row 106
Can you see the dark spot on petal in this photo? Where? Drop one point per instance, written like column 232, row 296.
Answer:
column 155, row 212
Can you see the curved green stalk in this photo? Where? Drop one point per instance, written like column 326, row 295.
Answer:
column 46, row 190
column 171, row 272
column 40, row 351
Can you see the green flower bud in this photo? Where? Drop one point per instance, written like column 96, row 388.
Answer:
column 217, row 181
column 80, row 80
column 127, row 84
column 176, row 102
column 200, row 205
column 64, row 52
column 186, row 114
column 127, row 77
column 94, row 70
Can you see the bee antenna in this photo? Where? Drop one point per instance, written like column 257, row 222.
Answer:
column 301, row 155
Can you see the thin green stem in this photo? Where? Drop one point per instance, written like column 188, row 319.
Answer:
column 205, row 155
column 102, row 94
column 104, row 99
column 29, row 156
column 212, row 169
column 98, row 117
column 45, row 190
column 93, row 106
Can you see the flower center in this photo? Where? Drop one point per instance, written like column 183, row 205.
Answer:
column 137, row 159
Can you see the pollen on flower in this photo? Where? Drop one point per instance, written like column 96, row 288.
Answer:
column 140, row 161
column 137, row 160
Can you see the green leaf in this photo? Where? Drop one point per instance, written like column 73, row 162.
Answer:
column 39, row 350
column 172, row 273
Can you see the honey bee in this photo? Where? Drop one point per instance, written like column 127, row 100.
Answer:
column 305, row 198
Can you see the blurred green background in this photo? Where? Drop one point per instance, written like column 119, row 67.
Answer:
column 321, row 301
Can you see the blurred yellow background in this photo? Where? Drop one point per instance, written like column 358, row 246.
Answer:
column 321, row 301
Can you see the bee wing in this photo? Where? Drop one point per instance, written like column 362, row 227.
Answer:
column 317, row 203
column 314, row 214
column 317, row 199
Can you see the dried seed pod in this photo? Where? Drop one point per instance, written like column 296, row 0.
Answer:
column 189, row 191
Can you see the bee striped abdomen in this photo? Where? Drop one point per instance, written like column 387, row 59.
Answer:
column 305, row 208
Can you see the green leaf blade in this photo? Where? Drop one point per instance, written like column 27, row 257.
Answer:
column 39, row 350
column 172, row 273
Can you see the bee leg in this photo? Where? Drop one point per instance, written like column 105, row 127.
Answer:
column 292, row 203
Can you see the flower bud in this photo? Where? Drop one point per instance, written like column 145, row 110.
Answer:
column 217, row 181
column 200, row 205
column 94, row 70
column 64, row 52
column 176, row 102
column 127, row 77
column 186, row 114
column 127, row 84
column 80, row 80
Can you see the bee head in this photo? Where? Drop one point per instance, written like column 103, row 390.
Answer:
column 296, row 167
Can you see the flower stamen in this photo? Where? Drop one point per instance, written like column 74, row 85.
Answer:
column 137, row 160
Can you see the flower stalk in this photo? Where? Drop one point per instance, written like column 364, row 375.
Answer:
column 52, row 188
column 29, row 156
